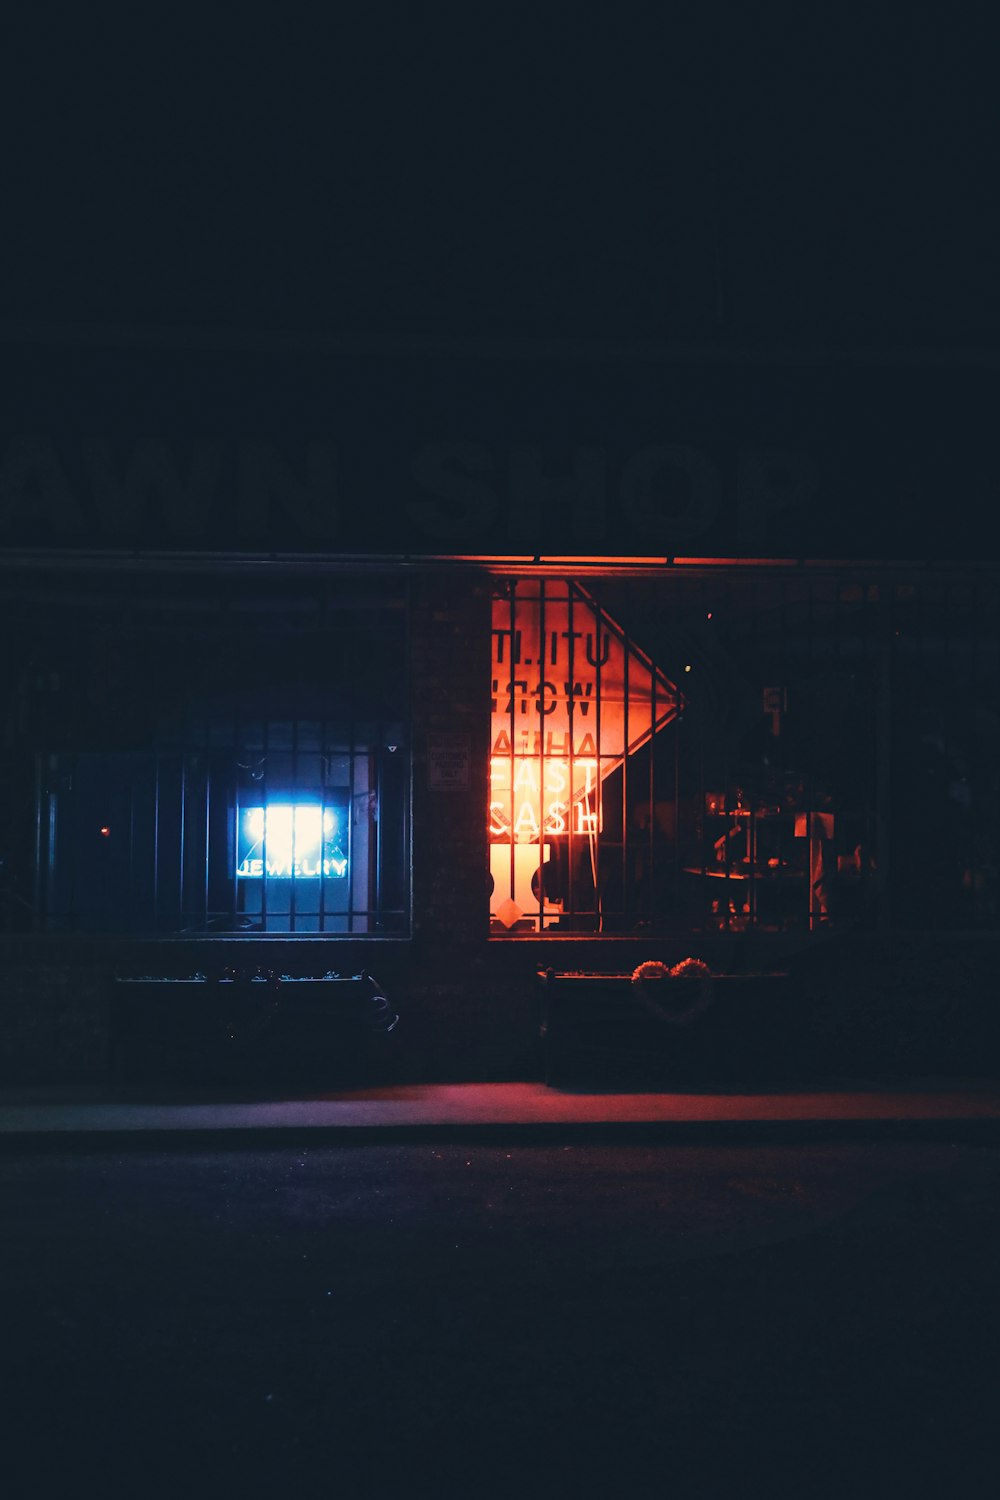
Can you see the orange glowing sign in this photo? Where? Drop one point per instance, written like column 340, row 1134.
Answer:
column 572, row 697
column 541, row 800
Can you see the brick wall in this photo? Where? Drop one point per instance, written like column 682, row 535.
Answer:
column 450, row 685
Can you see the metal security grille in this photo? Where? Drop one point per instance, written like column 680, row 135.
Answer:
column 576, row 708
column 772, row 748
column 277, row 826
column 220, row 750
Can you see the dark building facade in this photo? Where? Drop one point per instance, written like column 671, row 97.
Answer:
column 457, row 665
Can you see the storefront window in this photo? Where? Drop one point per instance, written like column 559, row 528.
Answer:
column 739, row 750
column 294, row 827
column 221, row 756
column 576, row 707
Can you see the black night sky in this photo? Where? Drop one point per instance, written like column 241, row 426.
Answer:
column 757, row 175
column 711, row 187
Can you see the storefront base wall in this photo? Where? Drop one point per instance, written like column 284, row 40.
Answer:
column 898, row 1005
column 872, row 1005
column 55, row 1001
column 864, row 1007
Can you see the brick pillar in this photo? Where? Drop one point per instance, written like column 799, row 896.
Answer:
column 450, row 667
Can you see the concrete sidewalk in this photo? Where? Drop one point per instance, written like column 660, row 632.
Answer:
column 525, row 1112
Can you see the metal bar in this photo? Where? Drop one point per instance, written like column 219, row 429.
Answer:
column 406, row 860
column 676, row 785
column 677, row 800
column 352, row 805
column 295, row 783
column 651, row 871
column 778, row 887
column 263, row 846
column 759, row 611
column 883, row 774
column 807, row 780
column 726, row 897
column 571, row 722
column 156, row 839
column 324, row 761
column 40, row 892
column 53, row 830
column 867, row 824
column 965, row 688
column 374, row 856
column 972, row 758
column 513, row 731
column 594, row 829
column 625, row 760
column 131, row 841
column 702, row 791
column 233, row 879
column 208, row 822
column 183, row 814
column 540, row 702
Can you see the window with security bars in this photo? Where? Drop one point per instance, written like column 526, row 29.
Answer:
column 576, row 708
column 274, row 827
column 223, row 755
column 779, row 749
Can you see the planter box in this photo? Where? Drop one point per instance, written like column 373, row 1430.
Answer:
column 595, row 1029
column 201, row 1030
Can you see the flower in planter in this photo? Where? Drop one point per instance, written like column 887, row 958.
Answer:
column 691, row 968
column 665, row 1004
column 652, row 969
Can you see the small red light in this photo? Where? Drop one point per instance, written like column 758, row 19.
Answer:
column 709, row 615
column 105, row 831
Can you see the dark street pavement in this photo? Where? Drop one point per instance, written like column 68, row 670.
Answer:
column 434, row 1318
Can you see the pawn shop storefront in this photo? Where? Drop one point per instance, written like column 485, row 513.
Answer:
column 255, row 718
column 457, row 775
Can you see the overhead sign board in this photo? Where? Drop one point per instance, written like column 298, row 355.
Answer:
column 173, row 448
